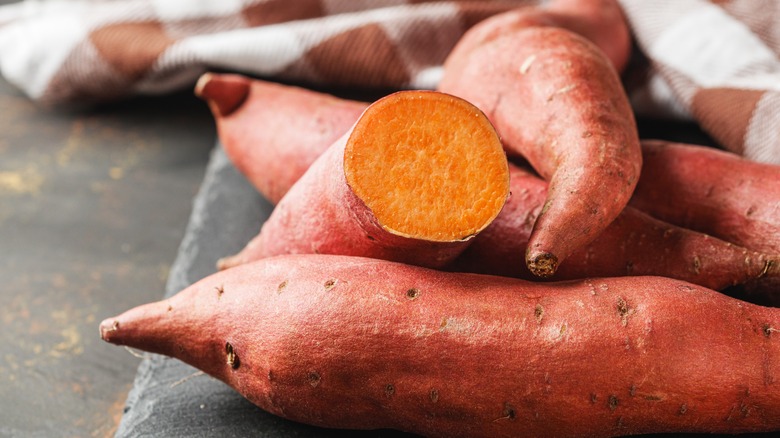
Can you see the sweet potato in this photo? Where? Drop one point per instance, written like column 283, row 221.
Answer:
column 634, row 244
column 556, row 100
column 273, row 132
column 419, row 174
column 600, row 21
column 362, row 343
column 712, row 191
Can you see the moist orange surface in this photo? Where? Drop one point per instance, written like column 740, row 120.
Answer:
column 428, row 165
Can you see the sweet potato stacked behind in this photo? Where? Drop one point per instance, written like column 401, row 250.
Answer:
column 273, row 132
column 713, row 191
column 558, row 102
column 634, row 244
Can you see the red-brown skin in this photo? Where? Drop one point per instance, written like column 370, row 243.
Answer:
column 634, row 244
column 600, row 21
column 712, row 191
column 273, row 132
column 361, row 343
column 556, row 100
column 320, row 214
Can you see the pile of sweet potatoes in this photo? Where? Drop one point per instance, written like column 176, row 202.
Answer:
column 501, row 257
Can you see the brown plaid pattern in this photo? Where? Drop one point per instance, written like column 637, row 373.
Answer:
column 715, row 61
column 60, row 52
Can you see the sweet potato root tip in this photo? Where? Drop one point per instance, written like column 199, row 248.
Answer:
column 107, row 327
column 428, row 165
column 542, row 265
column 224, row 93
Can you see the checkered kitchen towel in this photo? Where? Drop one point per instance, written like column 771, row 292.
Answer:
column 713, row 60
column 59, row 51
column 718, row 62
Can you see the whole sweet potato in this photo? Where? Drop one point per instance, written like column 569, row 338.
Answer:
column 418, row 175
column 362, row 343
column 557, row 101
column 633, row 244
column 273, row 132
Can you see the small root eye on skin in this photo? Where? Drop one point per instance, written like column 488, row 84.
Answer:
column 232, row 359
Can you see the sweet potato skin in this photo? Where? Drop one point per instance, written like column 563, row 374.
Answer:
column 360, row 343
column 712, row 191
column 600, row 21
column 633, row 244
column 558, row 102
column 273, row 132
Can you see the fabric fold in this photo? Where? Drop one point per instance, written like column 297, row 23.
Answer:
column 714, row 61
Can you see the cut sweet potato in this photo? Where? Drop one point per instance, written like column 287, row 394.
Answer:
column 418, row 176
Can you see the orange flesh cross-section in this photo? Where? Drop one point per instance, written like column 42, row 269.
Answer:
column 428, row 165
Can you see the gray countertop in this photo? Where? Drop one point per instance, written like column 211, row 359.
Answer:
column 93, row 206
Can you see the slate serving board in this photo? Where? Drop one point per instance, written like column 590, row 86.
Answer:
column 170, row 398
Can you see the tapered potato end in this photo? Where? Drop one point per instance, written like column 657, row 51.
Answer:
column 142, row 327
column 223, row 92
